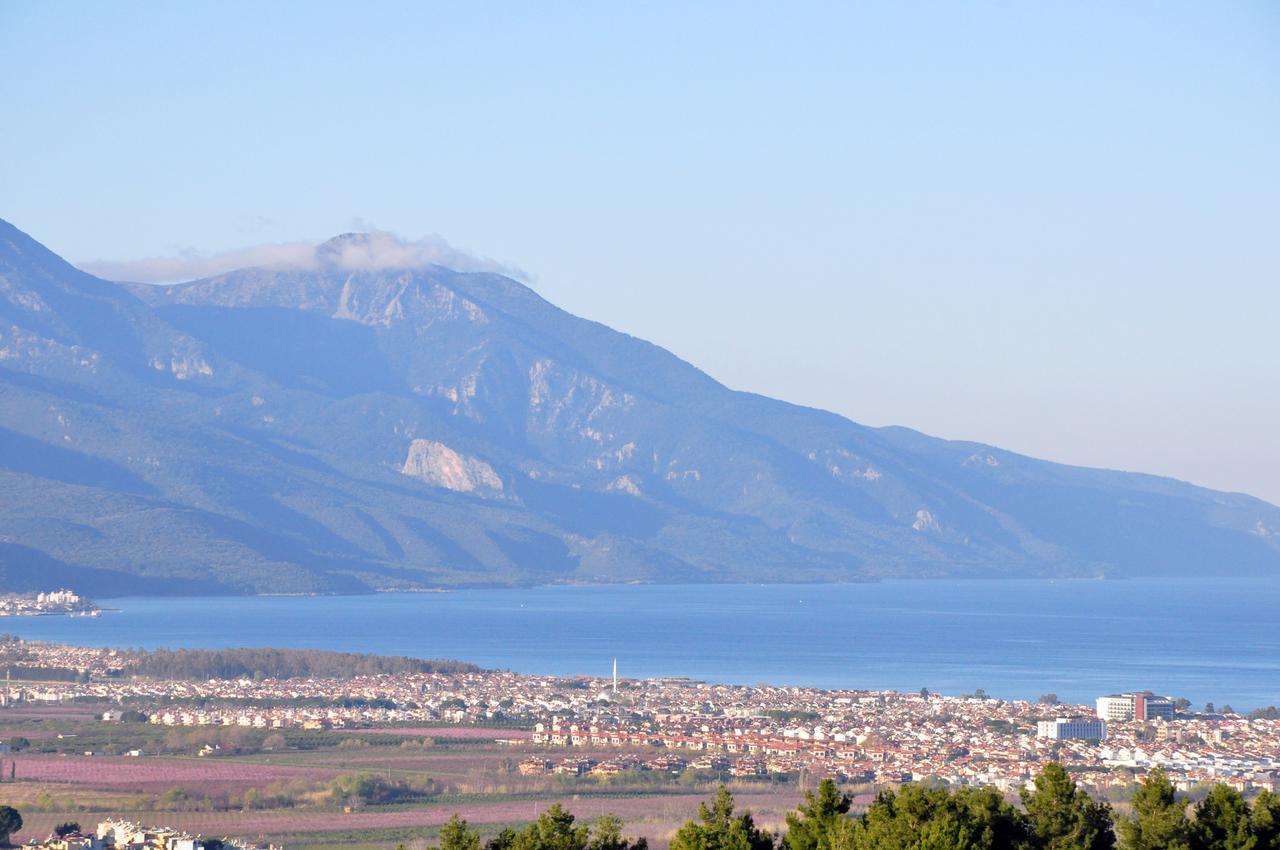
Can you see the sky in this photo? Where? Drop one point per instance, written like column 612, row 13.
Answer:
column 1052, row 227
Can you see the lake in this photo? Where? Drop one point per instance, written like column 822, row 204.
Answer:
column 1206, row 639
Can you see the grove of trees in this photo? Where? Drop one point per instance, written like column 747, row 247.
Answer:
column 246, row 663
column 1055, row 815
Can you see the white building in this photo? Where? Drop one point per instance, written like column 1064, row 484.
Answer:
column 1135, row 706
column 1072, row 728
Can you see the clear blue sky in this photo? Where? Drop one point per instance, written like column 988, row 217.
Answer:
column 1052, row 227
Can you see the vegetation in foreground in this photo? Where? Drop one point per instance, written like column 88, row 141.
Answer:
column 1055, row 815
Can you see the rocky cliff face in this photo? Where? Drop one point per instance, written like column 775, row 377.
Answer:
column 341, row 427
column 440, row 466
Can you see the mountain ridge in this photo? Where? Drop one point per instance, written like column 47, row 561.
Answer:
column 346, row 425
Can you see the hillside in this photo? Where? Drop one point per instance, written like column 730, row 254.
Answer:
column 342, row 428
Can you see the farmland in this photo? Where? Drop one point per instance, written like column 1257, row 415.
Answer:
column 296, row 791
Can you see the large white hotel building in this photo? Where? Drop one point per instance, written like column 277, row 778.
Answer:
column 1143, row 706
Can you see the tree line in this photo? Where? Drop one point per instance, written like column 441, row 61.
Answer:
column 248, row 663
column 1056, row 814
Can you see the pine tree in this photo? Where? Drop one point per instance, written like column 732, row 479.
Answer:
column 502, row 841
column 553, row 830
column 814, row 824
column 456, row 834
column 1264, row 821
column 1160, row 819
column 1222, row 822
column 717, row 828
column 916, row 818
column 1065, row 818
column 606, row 834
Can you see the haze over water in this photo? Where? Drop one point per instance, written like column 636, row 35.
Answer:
column 1205, row 639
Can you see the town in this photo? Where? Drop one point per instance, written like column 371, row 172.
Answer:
column 859, row 737
column 44, row 604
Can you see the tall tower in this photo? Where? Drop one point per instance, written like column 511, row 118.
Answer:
column 615, row 677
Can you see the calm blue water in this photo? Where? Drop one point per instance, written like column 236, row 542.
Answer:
column 1208, row 640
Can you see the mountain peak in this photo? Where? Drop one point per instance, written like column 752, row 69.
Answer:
column 339, row 250
column 374, row 251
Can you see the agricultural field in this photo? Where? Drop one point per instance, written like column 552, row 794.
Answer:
column 330, row 790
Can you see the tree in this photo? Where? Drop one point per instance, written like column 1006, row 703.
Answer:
column 456, row 834
column 68, row 828
column 1063, row 817
column 1208, row 708
column 553, row 830
column 502, row 841
column 717, row 828
column 606, row 834
column 1222, row 822
column 917, row 818
column 10, row 822
column 813, row 824
column 1181, row 704
column 1048, row 699
column 1264, row 821
column 1160, row 819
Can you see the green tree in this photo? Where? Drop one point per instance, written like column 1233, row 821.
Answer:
column 457, row 834
column 812, row 826
column 917, row 818
column 68, row 828
column 10, row 822
column 1264, row 821
column 1063, row 817
column 502, row 841
column 553, row 830
column 1159, row 819
column 1222, row 822
column 717, row 828
column 606, row 834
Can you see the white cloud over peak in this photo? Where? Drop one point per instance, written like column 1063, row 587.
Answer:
column 366, row 251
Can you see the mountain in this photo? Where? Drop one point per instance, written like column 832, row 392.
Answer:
column 344, row 427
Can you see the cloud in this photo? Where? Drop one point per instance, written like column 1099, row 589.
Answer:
column 366, row 251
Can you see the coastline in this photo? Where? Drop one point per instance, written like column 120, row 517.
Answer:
column 1016, row 638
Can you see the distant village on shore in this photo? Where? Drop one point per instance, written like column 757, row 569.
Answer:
column 54, row 602
column 862, row 737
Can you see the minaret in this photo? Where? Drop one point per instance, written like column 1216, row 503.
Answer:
column 615, row 677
